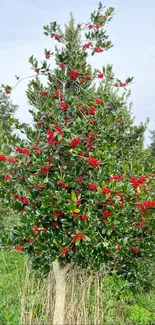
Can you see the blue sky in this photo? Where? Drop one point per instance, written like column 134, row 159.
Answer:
column 131, row 32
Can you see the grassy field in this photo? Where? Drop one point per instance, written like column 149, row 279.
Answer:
column 26, row 299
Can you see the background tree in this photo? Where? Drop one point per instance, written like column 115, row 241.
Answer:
column 8, row 138
column 79, row 185
column 152, row 144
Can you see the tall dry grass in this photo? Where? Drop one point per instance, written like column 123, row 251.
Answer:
column 91, row 298
column 86, row 302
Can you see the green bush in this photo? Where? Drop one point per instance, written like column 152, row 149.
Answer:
column 139, row 315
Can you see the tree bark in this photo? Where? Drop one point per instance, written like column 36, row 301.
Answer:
column 60, row 292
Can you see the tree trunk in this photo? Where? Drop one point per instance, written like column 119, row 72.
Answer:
column 60, row 292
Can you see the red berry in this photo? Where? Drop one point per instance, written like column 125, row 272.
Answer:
column 54, row 223
column 36, row 70
column 97, row 26
column 63, row 106
column 100, row 75
column 19, row 248
column 122, row 84
column 84, row 218
column 7, row 177
column 86, row 46
column 135, row 250
column 2, row 157
column 91, row 26
column 47, row 56
column 57, row 37
column 79, row 236
column 98, row 50
column 98, row 100
column 62, row 65
column 118, row 247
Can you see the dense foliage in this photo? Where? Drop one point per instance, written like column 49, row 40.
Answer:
column 79, row 184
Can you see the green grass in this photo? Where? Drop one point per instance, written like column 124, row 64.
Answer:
column 21, row 293
column 11, row 280
column 126, row 308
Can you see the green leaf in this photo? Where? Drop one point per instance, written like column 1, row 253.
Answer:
column 73, row 196
column 78, row 242
column 31, row 59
